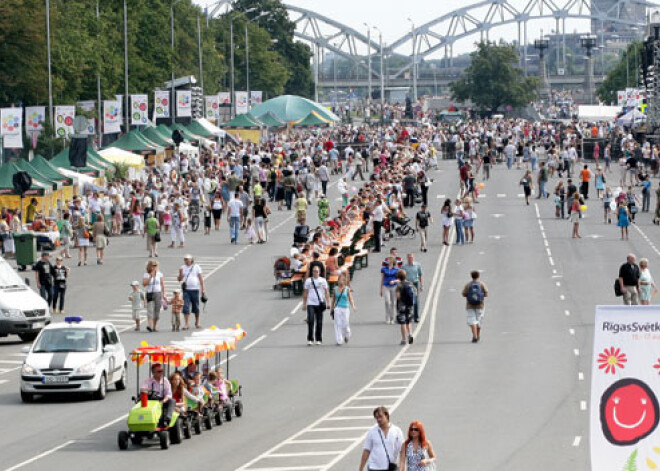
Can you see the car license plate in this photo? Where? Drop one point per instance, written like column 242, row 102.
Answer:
column 38, row 325
column 56, row 379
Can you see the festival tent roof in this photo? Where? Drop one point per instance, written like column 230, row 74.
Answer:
column 243, row 121
column 135, row 142
column 189, row 135
column 7, row 171
column 122, row 157
column 291, row 108
column 632, row 117
column 61, row 160
column 312, row 119
column 46, row 181
column 200, row 130
column 208, row 125
column 598, row 113
column 97, row 159
column 165, row 130
column 44, row 166
column 157, row 137
column 271, row 121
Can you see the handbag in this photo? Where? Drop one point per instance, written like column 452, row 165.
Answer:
column 157, row 237
column 392, row 466
column 617, row 288
column 322, row 305
column 183, row 285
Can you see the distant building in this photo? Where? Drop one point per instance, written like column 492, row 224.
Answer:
column 631, row 12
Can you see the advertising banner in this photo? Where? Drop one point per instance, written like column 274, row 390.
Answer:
column 255, row 98
column 139, row 110
column 161, row 104
column 111, row 117
column 225, row 98
column 64, row 120
column 241, row 102
column 35, row 117
column 624, row 389
column 184, row 103
column 212, row 103
column 12, row 127
column 89, row 106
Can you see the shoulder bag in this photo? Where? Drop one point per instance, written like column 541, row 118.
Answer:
column 391, row 466
column 322, row 305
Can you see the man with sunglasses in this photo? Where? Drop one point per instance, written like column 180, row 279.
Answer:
column 158, row 387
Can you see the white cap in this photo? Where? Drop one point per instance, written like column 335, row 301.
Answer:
column 135, row 283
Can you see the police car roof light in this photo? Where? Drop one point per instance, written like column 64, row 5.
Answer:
column 73, row 319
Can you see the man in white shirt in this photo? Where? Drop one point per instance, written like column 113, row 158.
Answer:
column 383, row 443
column 377, row 218
column 190, row 276
column 235, row 206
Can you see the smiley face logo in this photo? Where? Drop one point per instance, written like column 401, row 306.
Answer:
column 628, row 412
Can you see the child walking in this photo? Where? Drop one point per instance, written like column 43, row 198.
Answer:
column 138, row 301
column 250, row 233
column 177, row 308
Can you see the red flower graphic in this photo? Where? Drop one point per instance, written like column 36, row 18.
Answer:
column 657, row 366
column 610, row 359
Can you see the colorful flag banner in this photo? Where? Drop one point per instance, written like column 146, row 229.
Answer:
column 111, row 116
column 64, row 120
column 225, row 98
column 624, row 411
column 89, row 107
column 256, row 98
column 139, row 110
column 241, row 102
column 212, row 107
column 184, row 103
column 12, row 127
column 161, row 104
column 35, row 117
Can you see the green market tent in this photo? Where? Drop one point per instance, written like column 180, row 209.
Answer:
column 44, row 167
column 98, row 160
column 133, row 141
column 61, row 160
column 155, row 136
column 271, row 121
column 243, row 121
column 200, row 130
column 7, row 171
column 291, row 108
column 37, row 176
column 312, row 119
column 188, row 135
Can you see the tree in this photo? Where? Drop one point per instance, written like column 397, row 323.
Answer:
column 623, row 74
column 493, row 80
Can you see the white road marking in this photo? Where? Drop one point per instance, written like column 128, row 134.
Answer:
column 295, row 309
column 558, row 283
column 580, row 376
column 254, row 343
column 280, row 324
column 497, row 215
column 577, row 440
column 583, row 405
column 481, row 196
column 562, row 297
column 571, row 331
column 545, row 242
column 538, row 213
column 496, row 237
column 548, row 252
column 109, row 424
column 576, row 352
column 552, row 262
column 40, row 455
column 554, row 272
column 653, row 247
column 12, row 362
column 3, row 381
column 501, row 195
column 567, row 312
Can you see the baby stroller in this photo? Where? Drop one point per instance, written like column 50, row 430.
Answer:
column 281, row 270
column 300, row 234
column 397, row 226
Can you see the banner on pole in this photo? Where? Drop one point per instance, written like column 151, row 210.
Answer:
column 64, row 120
column 256, row 98
column 624, row 389
column 139, row 110
column 12, row 127
column 35, row 117
column 161, row 104
column 89, row 107
column 241, row 102
column 225, row 98
column 184, row 103
column 212, row 107
column 111, row 117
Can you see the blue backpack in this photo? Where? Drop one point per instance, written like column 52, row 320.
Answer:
column 475, row 294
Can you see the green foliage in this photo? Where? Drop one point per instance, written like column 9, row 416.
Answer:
column 121, row 171
column 493, row 80
column 631, row 464
column 622, row 75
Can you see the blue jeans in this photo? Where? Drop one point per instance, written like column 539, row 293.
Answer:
column 460, row 235
column 542, row 192
column 509, row 162
column 191, row 301
column 46, row 292
column 234, row 227
column 416, row 303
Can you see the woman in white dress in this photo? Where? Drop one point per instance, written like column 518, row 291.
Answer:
column 647, row 287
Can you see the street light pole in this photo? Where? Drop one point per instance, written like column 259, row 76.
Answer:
column 50, row 72
column 201, row 62
column 172, row 98
column 369, row 59
column 247, row 65
column 231, row 53
column 127, row 110
column 98, row 91
column 414, row 59
column 382, row 72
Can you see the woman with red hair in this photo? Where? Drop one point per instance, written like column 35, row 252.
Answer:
column 417, row 452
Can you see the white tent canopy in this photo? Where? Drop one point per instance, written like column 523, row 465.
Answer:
column 631, row 118
column 121, row 156
column 598, row 113
column 212, row 128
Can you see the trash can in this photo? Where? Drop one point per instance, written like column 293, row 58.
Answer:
column 26, row 249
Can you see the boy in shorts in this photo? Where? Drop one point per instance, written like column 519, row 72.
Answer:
column 138, row 301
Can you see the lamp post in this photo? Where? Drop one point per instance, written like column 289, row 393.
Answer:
column 50, row 72
column 173, row 97
column 382, row 72
column 199, row 49
column 542, row 44
column 414, row 59
column 127, row 111
column 589, row 43
column 369, row 59
column 98, row 92
column 231, row 66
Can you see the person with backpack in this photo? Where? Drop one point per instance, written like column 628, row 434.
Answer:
column 405, row 296
column 475, row 292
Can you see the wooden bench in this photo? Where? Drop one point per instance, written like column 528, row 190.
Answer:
column 362, row 259
column 350, row 265
column 285, row 287
column 332, row 282
column 297, row 284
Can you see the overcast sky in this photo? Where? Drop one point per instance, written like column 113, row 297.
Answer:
column 391, row 17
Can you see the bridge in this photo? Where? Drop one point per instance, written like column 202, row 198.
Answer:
column 439, row 35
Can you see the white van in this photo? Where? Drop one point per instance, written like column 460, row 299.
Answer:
column 22, row 311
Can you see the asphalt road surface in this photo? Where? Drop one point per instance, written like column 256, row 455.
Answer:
column 514, row 401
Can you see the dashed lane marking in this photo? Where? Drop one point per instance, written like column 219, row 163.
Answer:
column 280, row 324
column 577, row 440
column 254, row 343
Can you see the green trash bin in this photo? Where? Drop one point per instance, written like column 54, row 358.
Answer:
column 26, row 249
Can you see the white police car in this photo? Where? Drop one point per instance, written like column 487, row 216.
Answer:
column 74, row 356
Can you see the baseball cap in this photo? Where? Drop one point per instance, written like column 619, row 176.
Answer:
column 135, row 283
column 187, row 257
